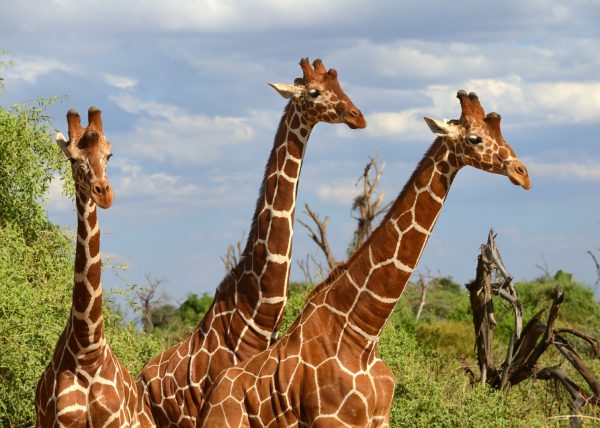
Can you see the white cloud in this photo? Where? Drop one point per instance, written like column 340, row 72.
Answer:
column 133, row 182
column 57, row 202
column 407, row 123
column 525, row 103
column 572, row 102
column 447, row 61
column 168, row 132
column 120, row 82
column 185, row 15
column 30, row 68
column 564, row 170
column 341, row 193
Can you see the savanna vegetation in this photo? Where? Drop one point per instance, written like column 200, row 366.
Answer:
column 36, row 274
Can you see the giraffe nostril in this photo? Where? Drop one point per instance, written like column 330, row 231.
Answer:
column 521, row 170
column 97, row 189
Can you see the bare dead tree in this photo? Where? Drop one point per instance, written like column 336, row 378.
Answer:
column 319, row 236
column 232, row 255
column 306, row 264
column 367, row 204
column 528, row 343
column 544, row 267
column 424, row 278
column 147, row 298
column 597, row 267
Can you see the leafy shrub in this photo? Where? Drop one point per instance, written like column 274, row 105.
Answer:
column 448, row 337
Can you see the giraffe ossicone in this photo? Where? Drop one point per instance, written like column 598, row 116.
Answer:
column 85, row 384
column 325, row 371
column 246, row 314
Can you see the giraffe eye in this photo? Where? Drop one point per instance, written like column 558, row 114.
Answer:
column 475, row 139
column 72, row 161
column 314, row 93
column 108, row 157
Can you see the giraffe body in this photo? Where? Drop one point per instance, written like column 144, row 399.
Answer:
column 85, row 385
column 325, row 371
column 247, row 311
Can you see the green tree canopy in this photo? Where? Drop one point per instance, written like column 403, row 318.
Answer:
column 192, row 310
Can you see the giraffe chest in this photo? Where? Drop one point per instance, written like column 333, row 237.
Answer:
column 96, row 396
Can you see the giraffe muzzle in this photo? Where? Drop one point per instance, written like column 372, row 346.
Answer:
column 517, row 174
column 355, row 119
column 102, row 193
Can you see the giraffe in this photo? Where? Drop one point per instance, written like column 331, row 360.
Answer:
column 325, row 371
column 248, row 306
column 85, row 385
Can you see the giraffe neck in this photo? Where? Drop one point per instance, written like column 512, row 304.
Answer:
column 369, row 286
column 263, row 272
column 86, row 311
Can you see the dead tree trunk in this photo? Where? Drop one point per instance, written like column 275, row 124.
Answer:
column 367, row 203
column 527, row 344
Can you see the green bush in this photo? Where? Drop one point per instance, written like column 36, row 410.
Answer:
column 34, row 305
column 448, row 337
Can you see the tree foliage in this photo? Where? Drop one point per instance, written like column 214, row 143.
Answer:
column 29, row 161
column 193, row 309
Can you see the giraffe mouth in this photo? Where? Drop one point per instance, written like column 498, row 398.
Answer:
column 104, row 202
column 517, row 174
column 354, row 118
column 356, row 122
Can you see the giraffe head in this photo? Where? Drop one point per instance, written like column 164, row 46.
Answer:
column 89, row 151
column 318, row 96
column 475, row 139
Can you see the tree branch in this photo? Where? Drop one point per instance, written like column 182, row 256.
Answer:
column 320, row 237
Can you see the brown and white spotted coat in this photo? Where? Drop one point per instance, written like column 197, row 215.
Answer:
column 247, row 311
column 85, row 385
column 325, row 370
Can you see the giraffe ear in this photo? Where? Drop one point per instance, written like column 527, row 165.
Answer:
column 61, row 141
column 441, row 128
column 286, row 91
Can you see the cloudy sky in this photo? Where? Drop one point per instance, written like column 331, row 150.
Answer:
column 182, row 86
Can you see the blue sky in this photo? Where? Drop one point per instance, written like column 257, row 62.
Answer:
column 182, row 86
